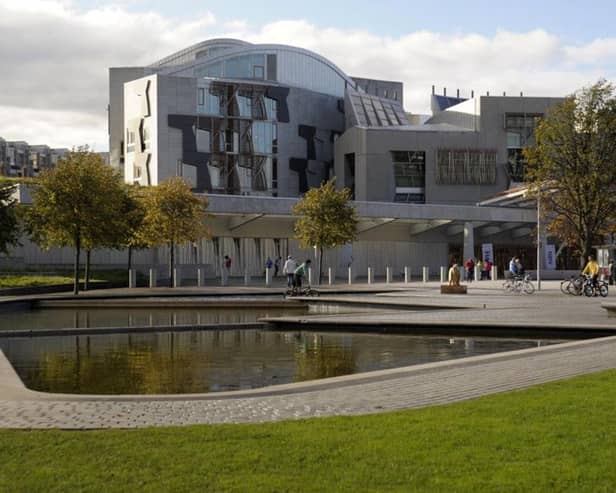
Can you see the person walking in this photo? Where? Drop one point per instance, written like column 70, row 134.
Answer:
column 487, row 268
column 469, row 265
column 301, row 272
column 289, row 269
column 268, row 263
column 592, row 269
column 226, row 270
column 610, row 271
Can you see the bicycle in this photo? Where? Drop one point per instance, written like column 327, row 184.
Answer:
column 573, row 286
column 592, row 289
column 303, row 291
column 519, row 284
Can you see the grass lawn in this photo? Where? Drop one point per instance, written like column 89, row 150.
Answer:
column 27, row 279
column 556, row 437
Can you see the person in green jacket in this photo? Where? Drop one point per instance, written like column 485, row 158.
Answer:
column 301, row 272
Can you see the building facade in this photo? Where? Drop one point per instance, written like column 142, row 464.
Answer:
column 20, row 159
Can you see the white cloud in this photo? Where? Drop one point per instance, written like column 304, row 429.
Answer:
column 54, row 88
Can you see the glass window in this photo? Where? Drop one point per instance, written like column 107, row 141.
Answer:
column 262, row 137
column 409, row 168
column 244, row 104
column 258, row 72
column 200, row 96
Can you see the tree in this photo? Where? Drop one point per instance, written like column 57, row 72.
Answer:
column 131, row 221
column 327, row 218
column 173, row 215
column 77, row 204
column 9, row 224
column 572, row 168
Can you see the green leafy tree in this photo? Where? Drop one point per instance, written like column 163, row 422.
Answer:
column 130, row 222
column 9, row 223
column 77, row 204
column 172, row 215
column 572, row 168
column 327, row 218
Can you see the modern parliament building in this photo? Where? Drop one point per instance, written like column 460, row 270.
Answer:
column 256, row 125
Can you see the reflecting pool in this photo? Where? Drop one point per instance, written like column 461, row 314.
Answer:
column 218, row 360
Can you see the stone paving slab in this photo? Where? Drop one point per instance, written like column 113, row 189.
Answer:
column 404, row 388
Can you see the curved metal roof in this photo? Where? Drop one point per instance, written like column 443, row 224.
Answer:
column 230, row 42
column 244, row 47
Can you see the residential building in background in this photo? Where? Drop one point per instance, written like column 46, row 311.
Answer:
column 19, row 159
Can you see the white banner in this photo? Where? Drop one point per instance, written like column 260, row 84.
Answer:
column 549, row 257
column 487, row 252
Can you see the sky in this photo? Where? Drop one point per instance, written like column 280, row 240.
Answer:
column 55, row 54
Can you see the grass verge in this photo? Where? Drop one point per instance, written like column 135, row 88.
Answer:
column 555, row 437
column 27, row 279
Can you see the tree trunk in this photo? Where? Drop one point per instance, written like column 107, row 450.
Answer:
column 86, row 277
column 76, row 266
column 320, row 264
column 171, row 262
column 130, row 260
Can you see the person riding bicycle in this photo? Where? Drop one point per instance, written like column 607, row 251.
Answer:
column 515, row 267
column 301, row 272
column 592, row 269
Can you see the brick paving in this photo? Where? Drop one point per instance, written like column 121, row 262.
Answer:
column 387, row 390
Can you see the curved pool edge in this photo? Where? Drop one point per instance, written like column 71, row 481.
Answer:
column 13, row 388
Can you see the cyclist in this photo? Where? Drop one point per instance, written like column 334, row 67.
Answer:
column 513, row 267
column 301, row 272
column 592, row 268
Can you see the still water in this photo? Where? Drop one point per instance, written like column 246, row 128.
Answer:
column 217, row 360
column 61, row 318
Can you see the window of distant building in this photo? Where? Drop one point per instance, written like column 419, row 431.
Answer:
column 465, row 167
column 130, row 141
column 409, row 175
column 520, row 128
column 201, row 96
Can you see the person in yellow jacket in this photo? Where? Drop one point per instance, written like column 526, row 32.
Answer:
column 592, row 269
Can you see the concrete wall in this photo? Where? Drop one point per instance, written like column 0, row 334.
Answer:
column 374, row 174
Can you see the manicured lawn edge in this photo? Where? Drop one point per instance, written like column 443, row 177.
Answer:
column 555, row 437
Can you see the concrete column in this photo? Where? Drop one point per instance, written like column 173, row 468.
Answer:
column 132, row 278
column 350, row 276
column 177, row 278
column 310, row 275
column 407, row 275
column 268, row 277
column 494, row 273
column 246, row 278
column 425, row 273
column 370, row 275
column 469, row 242
column 388, row 275
column 443, row 274
column 200, row 277
column 153, row 277
column 330, row 276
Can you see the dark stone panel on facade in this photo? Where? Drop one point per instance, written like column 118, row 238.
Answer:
column 190, row 154
column 308, row 132
column 300, row 166
column 280, row 94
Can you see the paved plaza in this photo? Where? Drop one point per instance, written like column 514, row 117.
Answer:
column 379, row 391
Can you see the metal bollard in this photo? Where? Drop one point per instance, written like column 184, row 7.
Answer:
column 494, row 273
column 443, row 274
column 329, row 276
column 132, row 278
column 388, row 275
column 426, row 273
column 246, row 278
column 177, row 278
column 310, row 275
column 268, row 277
column 477, row 274
column 200, row 277
column 153, row 276
column 350, row 276
column 370, row 275
column 407, row 275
